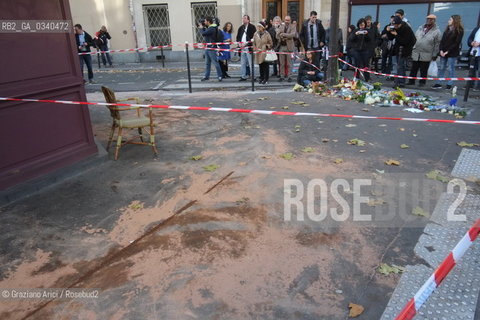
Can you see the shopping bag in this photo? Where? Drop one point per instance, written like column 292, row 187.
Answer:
column 433, row 69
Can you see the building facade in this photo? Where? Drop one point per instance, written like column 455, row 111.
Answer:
column 143, row 23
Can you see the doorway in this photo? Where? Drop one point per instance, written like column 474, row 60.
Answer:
column 281, row 8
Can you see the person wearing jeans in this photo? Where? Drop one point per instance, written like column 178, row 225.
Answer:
column 244, row 35
column 84, row 41
column 450, row 49
column 210, row 34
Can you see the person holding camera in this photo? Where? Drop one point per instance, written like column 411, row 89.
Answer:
column 387, row 49
column 360, row 47
column 285, row 35
column 211, row 34
column 104, row 36
column 404, row 42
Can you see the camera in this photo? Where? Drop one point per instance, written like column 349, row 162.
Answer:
column 362, row 31
column 391, row 28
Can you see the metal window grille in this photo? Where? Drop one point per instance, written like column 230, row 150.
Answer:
column 199, row 12
column 157, row 24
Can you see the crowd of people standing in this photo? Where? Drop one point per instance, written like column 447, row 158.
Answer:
column 396, row 45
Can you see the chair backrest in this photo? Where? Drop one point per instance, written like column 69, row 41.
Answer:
column 110, row 98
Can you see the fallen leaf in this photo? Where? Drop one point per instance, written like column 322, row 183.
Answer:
column 308, row 149
column 196, row 158
column 365, row 109
column 285, row 107
column 262, row 98
column 386, row 270
column 362, row 151
column 266, row 157
column 356, row 142
column 273, row 107
column 392, row 162
column 351, row 125
column 297, row 102
column 136, row 205
column 355, row 310
column 211, row 167
column 287, row 156
column 436, row 175
column 415, row 135
column 335, row 140
column 382, row 125
column 380, row 171
column 338, row 161
column 306, row 105
column 417, row 211
column 325, row 140
column 466, row 144
column 373, row 203
column 401, row 129
column 404, row 146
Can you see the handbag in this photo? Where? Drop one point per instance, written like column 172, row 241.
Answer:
column 433, row 69
column 271, row 56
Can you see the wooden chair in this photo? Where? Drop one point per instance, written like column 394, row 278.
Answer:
column 139, row 122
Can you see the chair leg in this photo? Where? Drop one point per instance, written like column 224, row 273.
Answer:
column 152, row 140
column 119, row 143
column 111, row 136
column 140, row 132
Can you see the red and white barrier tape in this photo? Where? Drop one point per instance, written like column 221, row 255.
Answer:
column 261, row 51
column 194, row 45
column 412, row 307
column 253, row 111
column 406, row 77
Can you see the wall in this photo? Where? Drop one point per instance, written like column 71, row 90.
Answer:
column 181, row 24
column 115, row 15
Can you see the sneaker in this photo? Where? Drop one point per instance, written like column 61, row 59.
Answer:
column 476, row 89
column 265, row 82
column 289, row 79
column 220, row 79
column 205, row 79
column 281, row 79
column 437, row 86
column 92, row 81
column 449, row 87
column 242, row 79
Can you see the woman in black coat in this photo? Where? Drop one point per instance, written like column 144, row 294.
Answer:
column 360, row 47
column 450, row 49
column 308, row 71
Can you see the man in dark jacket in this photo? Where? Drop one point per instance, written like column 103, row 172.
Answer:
column 245, row 34
column 313, row 35
column 474, row 44
column 104, row 36
column 84, row 41
column 404, row 42
column 210, row 34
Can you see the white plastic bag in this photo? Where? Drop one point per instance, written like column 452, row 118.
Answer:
column 271, row 56
column 433, row 69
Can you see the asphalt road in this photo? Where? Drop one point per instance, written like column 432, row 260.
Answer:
column 226, row 250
